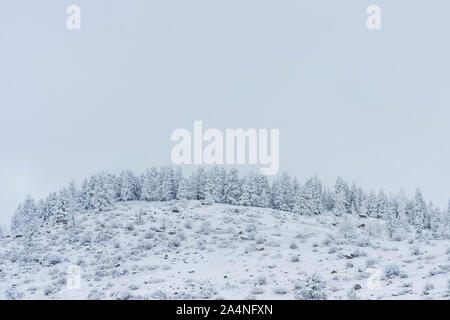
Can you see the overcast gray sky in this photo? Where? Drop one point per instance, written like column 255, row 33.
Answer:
column 370, row 106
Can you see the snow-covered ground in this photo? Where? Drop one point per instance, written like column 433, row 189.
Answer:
column 190, row 250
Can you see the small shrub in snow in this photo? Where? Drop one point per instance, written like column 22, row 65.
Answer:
column 301, row 236
column 293, row 246
column 347, row 228
column 358, row 253
column 124, row 295
column 427, row 288
column 294, row 259
column 262, row 280
column 49, row 290
column 149, row 235
column 205, row 228
column 207, row 292
column 174, row 243
column 280, row 290
column 147, row 245
column 415, row 250
column 159, row 295
column 332, row 250
column 312, row 289
column 53, row 259
column 260, row 240
column 257, row 290
column 133, row 287
column 95, row 295
column 13, row 294
column 391, row 270
column 85, row 238
column 327, row 241
column 370, row 262
column 273, row 244
column 363, row 241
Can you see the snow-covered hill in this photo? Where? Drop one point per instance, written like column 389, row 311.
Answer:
column 190, row 250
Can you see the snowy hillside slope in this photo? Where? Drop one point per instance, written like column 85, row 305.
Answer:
column 193, row 250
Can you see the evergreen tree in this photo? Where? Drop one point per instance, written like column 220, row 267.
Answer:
column 393, row 217
column 129, row 186
column 381, row 205
column 166, row 190
column 150, row 185
column 215, row 180
column 232, row 188
column 339, row 207
column 420, row 210
column 247, row 189
column 301, row 205
column 285, row 194
column 198, row 183
column 328, row 199
column 99, row 192
column 26, row 218
column 262, row 191
column 184, row 190
column 341, row 192
column 178, row 177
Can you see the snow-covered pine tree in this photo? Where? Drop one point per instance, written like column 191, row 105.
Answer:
column 215, row 180
column 420, row 210
column 341, row 191
column 327, row 199
column 64, row 203
column 301, row 205
column 284, row 196
column 371, row 205
column 381, row 205
column 54, row 207
column 149, row 185
column 26, row 218
column 392, row 217
column 99, row 192
column 247, row 189
column 314, row 187
column 356, row 199
column 232, row 187
column 435, row 221
column 129, row 186
column 339, row 207
column 274, row 198
column 166, row 190
column 178, row 177
column 262, row 198
column 198, row 183
column 184, row 190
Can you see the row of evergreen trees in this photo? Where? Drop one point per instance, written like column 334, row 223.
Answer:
column 221, row 186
